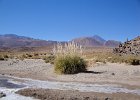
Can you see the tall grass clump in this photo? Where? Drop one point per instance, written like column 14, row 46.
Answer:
column 68, row 58
column 70, row 49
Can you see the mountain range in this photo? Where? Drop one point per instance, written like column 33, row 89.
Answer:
column 96, row 41
column 14, row 41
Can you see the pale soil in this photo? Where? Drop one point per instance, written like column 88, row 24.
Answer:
column 99, row 73
column 123, row 74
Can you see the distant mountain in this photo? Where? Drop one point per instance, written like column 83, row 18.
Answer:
column 96, row 41
column 88, row 41
column 98, row 38
column 112, row 43
column 15, row 41
column 12, row 40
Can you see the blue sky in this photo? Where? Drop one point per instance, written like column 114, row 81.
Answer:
column 67, row 19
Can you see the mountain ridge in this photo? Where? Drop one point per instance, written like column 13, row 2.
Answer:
column 96, row 41
column 13, row 40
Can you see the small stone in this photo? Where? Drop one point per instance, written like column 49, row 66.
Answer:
column 107, row 98
column 2, row 95
column 113, row 74
column 86, row 98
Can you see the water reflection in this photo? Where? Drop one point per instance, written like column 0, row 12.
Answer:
column 7, row 84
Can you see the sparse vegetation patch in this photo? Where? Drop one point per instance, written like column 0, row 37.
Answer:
column 1, row 57
column 69, row 65
column 68, row 59
column 49, row 59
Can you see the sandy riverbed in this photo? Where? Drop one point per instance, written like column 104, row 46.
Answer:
column 38, row 69
column 121, row 74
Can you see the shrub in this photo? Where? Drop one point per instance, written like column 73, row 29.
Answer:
column 49, row 59
column 134, row 61
column 36, row 54
column 29, row 55
column 1, row 57
column 5, row 56
column 68, row 59
column 69, row 65
column 23, row 56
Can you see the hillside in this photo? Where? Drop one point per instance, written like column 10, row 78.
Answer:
column 129, row 47
column 12, row 40
column 15, row 41
column 87, row 41
column 96, row 41
column 112, row 43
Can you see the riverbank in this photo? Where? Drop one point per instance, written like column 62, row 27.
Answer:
column 47, row 94
column 98, row 73
column 101, row 81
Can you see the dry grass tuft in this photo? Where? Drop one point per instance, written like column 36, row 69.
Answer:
column 70, row 48
column 68, row 58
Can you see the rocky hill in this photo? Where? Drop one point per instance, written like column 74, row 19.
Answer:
column 129, row 47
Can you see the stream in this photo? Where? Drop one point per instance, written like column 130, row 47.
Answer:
column 9, row 86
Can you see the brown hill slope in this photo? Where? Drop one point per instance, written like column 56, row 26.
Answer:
column 12, row 41
column 15, row 41
column 96, row 41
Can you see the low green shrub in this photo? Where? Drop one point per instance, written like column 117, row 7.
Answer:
column 29, row 55
column 36, row 54
column 134, row 61
column 69, row 65
column 6, row 56
column 1, row 57
column 49, row 59
column 23, row 56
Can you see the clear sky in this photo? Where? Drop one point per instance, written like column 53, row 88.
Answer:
column 66, row 19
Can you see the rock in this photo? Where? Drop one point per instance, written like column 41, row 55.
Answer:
column 107, row 98
column 129, row 47
column 113, row 74
column 2, row 94
column 86, row 98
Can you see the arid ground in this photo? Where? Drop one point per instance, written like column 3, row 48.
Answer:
column 124, row 75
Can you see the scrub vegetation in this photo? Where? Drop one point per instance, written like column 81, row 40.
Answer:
column 69, row 59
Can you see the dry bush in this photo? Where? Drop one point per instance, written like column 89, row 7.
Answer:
column 5, row 56
column 1, row 57
column 68, row 58
column 70, row 65
column 49, row 59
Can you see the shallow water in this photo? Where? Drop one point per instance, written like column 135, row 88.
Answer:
column 9, row 88
column 5, row 83
column 12, row 86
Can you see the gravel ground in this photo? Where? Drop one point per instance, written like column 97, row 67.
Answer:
column 45, row 94
column 102, row 73
column 126, row 75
